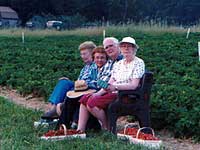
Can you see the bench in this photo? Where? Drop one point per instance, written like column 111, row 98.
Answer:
column 132, row 102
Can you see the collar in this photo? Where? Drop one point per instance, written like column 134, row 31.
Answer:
column 120, row 57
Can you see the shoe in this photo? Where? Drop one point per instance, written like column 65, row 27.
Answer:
column 52, row 114
column 59, row 108
column 74, row 125
column 45, row 123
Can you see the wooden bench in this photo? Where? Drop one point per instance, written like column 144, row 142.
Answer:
column 133, row 102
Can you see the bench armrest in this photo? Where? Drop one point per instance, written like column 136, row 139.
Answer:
column 129, row 92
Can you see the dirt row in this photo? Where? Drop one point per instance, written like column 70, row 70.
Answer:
column 37, row 103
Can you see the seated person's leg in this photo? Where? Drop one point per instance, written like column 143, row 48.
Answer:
column 93, row 123
column 59, row 92
column 58, row 96
column 70, row 106
column 100, row 115
column 59, row 108
column 86, row 120
column 64, row 114
column 97, row 105
column 74, row 124
column 83, row 117
column 83, row 113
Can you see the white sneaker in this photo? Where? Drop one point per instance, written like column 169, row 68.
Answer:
column 74, row 125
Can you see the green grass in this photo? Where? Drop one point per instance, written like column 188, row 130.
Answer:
column 17, row 133
column 153, row 28
column 16, row 32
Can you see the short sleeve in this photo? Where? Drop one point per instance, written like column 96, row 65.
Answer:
column 139, row 69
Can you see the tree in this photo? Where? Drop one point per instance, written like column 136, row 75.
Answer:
column 117, row 11
column 94, row 9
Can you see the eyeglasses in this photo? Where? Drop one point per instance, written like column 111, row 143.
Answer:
column 126, row 46
column 109, row 46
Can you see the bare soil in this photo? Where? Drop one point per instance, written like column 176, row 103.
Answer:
column 37, row 103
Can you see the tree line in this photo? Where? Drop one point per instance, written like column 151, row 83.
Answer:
column 184, row 12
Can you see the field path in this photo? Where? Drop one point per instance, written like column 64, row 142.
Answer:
column 28, row 101
column 38, row 104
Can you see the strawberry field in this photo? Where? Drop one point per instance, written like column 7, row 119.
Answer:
column 35, row 66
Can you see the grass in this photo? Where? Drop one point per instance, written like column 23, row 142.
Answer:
column 140, row 27
column 17, row 133
column 15, row 32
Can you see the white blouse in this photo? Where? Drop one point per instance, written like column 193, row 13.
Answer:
column 124, row 72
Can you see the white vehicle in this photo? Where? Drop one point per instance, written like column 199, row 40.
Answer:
column 54, row 24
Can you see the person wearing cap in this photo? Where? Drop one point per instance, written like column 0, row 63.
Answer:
column 88, row 73
column 125, row 75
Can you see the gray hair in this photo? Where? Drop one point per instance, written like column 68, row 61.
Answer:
column 112, row 39
column 87, row 45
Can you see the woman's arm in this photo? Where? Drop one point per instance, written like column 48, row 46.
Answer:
column 128, row 86
column 132, row 85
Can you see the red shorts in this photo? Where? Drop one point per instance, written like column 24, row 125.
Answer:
column 84, row 99
column 101, row 102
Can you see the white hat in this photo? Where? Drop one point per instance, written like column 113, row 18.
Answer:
column 129, row 40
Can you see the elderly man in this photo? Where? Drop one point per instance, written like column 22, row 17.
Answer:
column 111, row 45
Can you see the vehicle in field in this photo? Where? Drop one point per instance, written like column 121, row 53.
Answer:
column 58, row 25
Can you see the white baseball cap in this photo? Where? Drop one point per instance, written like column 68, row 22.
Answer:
column 129, row 40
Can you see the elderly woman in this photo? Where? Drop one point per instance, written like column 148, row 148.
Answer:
column 125, row 75
column 64, row 85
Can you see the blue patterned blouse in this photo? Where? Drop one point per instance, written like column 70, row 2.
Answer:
column 89, row 74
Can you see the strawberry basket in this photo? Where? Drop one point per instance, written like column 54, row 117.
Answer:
column 136, row 136
column 63, row 133
column 145, row 139
column 129, row 129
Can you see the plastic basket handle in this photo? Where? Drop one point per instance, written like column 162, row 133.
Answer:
column 138, row 132
column 64, row 128
column 129, row 124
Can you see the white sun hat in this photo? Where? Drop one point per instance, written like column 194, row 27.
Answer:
column 129, row 40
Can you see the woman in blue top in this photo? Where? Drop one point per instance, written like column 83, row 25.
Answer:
column 64, row 84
